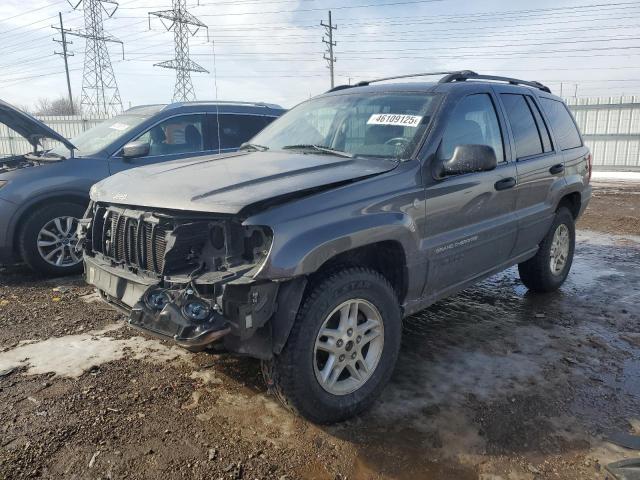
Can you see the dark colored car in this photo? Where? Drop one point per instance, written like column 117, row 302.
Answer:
column 355, row 209
column 42, row 194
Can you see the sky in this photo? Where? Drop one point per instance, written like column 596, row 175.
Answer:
column 272, row 50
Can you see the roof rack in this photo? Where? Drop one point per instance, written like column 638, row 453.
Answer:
column 427, row 74
column 469, row 75
column 455, row 76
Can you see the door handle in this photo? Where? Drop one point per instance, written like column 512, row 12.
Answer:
column 505, row 183
column 559, row 168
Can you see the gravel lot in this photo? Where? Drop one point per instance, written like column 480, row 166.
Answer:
column 495, row 383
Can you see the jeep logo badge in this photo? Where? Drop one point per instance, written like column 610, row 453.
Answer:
column 120, row 196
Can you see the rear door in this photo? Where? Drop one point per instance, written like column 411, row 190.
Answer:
column 470, row 228
column 565, row 132
column 179, row 136
column 539, row 165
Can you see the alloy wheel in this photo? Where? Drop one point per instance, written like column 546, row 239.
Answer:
column 348, row 347
column 559, row 253
column 57, row 242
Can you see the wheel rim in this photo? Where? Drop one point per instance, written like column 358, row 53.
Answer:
column 57, row 242
column 348, row 347
column 559, row 249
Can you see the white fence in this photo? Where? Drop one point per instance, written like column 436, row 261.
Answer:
column 610, row 126
column 69, row 126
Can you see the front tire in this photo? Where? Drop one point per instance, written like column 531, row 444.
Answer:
column 548, row 269
column 48, row 238
column 342, row 349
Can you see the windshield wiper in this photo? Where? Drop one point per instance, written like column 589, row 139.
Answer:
column 319, row 148
column 253, row 146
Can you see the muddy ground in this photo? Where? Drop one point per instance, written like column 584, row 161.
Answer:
column 494, row 384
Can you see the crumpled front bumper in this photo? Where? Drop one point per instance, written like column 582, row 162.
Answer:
column 128, row 292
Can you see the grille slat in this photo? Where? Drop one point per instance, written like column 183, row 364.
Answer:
column 131, row 241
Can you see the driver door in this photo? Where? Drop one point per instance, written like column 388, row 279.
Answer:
column 470, row 227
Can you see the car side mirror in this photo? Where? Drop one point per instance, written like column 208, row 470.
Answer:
column 135, row 150
column 468, row 159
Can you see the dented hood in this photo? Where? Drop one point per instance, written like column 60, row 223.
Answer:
column 32, row 129
column 229, row 183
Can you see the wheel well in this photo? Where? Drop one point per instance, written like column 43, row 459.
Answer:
column 572, row 201
column 40, row 203
column 387, row 258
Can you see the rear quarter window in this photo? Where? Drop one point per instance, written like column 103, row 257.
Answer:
column 562, row 124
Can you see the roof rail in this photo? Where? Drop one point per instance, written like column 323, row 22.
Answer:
column 426, row 74
column 469, row 75
column 223, row 102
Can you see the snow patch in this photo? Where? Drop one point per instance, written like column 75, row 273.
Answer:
column 624, row 176
column 72, row 355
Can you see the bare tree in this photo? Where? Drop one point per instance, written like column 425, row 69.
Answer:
column 58, row 106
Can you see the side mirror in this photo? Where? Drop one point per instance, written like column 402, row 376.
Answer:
column 468, row 159
column 135, row 150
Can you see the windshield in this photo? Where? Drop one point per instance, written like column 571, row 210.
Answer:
column 98, row 137
column 386, row 125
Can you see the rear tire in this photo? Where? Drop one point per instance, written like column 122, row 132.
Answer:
column 548, row 269
column 47, row 239
column 354, row 316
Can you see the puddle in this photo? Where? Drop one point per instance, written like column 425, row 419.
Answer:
column 72, row 355
column 496, row 372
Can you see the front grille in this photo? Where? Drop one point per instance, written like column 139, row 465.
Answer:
column 131, row 240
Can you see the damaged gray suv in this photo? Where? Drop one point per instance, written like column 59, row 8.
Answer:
column 357, row 208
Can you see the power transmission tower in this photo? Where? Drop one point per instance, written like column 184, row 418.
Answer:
column 65, row 54
column 330, row 44
column 184, row 25
column 100, row 94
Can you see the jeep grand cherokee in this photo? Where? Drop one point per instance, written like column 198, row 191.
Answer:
column 353, row 210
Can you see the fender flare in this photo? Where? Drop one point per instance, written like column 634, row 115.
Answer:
column 305, row 252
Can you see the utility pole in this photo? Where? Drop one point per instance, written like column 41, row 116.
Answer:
column 64, row 54
column 100, row 94
column 329, row 28
column 184, row 25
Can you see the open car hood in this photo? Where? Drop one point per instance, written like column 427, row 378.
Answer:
column 29, row 127
column 229, row 183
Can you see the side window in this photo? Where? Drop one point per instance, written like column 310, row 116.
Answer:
column 181, row 134
column 543, row 130
column 562, row 124
column 523, row 125
column 473, row 122
column 237, row 129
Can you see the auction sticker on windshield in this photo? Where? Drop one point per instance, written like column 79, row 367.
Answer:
column 394, row 119
column 119, row 126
